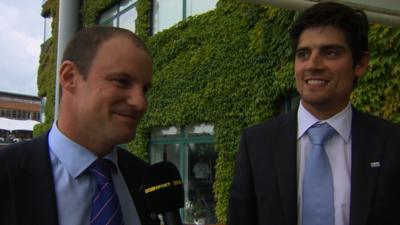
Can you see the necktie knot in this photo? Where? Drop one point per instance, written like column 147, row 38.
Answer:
column 101, row 170
column 319, row 133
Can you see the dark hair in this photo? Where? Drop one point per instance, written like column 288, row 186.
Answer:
column 353, row 23
column 82, row 48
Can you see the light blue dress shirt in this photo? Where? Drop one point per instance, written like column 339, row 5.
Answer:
column 75, row 188
column 338, row 149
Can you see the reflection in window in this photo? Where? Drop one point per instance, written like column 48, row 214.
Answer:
column 166, row 13
column 121, row 15
column 191, row 149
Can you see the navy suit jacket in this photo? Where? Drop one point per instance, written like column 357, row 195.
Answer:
column 264, row 187
column 27, row 194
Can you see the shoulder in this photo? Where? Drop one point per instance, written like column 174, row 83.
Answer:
column 127, row 159
column 270, row 126
column 377, row 125
column 375, row 121
column 19, row 151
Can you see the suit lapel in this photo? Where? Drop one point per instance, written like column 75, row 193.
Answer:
column 365, row 150
column 286, row 165
column 34, row 189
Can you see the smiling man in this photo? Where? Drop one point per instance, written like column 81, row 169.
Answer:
column 327, row 163
column 76, row 174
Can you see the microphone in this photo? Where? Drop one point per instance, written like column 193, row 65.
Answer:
column 164, row 191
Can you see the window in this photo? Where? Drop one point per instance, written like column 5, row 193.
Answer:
column 47, row 28
column 36, row 116
column 42, row 115
column 195, row 7
column 121, row 15
column 166, row 13
column 191, row 149
column 19, row 114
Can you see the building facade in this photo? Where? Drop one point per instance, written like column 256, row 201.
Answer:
column 18, row 113
column 19, row 106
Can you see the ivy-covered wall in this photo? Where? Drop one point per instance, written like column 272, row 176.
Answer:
column 47, row 68
column 378, row 92
column 223, row 68
column 231, row 67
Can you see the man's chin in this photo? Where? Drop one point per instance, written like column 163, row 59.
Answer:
column 124, row 137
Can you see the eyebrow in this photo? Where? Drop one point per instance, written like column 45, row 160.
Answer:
column 324, row 47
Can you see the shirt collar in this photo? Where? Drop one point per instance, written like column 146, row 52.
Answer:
column 74, row 157
column 341, row 122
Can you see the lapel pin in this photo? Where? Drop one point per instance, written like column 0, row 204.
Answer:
column 375, row 164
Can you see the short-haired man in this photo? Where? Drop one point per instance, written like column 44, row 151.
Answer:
column 75, row 174
column 327, row 163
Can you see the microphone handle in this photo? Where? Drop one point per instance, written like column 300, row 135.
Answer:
column 172, row 218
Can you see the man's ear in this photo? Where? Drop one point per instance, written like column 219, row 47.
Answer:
column 362, row 65
column 69, row 76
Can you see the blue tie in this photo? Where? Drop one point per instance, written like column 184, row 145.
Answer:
column 105, row 205
column 318, row 208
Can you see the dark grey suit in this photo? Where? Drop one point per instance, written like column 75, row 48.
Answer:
column 264, row 187
column 27, row 194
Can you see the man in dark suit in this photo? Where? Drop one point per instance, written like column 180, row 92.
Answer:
column 57, row 177
column 271, row 183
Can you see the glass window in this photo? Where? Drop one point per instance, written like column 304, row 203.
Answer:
column 191, row 149
column 109, row 17
column 47, row 28
column 121, row 15
column 126, row 4
column 42, row 109
column 127, row 19
column 167, row 13
column 194, row 7
column 199, row 199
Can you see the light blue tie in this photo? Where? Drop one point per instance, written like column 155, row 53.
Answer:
column 318, row 203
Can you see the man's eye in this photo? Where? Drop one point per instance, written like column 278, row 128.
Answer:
column 302, row 54
column 332, row 54
column 122, row 82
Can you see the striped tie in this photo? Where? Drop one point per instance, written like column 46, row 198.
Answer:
column 106, row 209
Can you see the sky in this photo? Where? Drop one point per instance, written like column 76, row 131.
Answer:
column 21, row 34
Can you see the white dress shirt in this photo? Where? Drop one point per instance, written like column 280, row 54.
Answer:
column 338, row 149
column 75, row 188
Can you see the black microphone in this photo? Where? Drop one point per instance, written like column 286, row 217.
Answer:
column 164, row 191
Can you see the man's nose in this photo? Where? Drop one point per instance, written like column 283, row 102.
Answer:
column 315, row 62
column 137, row 98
